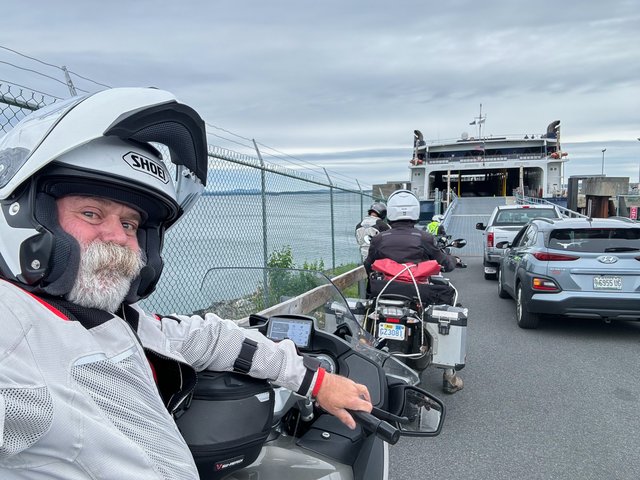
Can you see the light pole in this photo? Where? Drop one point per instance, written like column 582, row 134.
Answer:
column 603, row 150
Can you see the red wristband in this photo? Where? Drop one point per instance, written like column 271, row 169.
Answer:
column 319, row 379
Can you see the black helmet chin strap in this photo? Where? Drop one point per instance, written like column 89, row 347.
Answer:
column 63, row 258
column 142, row 286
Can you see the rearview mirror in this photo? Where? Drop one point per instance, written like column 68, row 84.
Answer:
column 503, row 245
column 458, row 243
column 422, row 414
column 480, row 226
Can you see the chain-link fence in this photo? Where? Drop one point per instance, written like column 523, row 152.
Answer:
column 250, row 211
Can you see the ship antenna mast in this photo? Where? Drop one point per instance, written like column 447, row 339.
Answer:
column 479, row 120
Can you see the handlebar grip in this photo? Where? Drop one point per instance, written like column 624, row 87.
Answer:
column 378, row 427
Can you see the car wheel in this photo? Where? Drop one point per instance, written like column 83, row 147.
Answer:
column 524, row 318
column 488, row 276
column 502, row 293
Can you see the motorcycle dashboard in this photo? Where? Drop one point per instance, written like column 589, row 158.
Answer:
column 297, row 329
column 335, row 354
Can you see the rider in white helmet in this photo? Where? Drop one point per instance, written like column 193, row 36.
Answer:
column 89, row 381
column 404, row 243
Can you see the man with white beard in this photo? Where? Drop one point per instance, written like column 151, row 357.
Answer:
column 88, row 380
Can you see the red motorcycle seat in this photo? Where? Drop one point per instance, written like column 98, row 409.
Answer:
column 421, row 271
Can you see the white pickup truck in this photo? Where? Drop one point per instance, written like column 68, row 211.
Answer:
column 504, row 223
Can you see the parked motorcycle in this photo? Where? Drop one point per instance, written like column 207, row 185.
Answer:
column 415, row 315
column 242, row 428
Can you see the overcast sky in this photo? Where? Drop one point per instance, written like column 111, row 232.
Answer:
column 343, row 84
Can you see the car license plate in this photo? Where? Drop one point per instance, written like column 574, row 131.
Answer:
column 607, row 283
column 391, row 331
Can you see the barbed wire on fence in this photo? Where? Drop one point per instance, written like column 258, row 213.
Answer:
column 62, row 69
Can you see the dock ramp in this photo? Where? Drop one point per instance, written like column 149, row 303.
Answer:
column 465, row 213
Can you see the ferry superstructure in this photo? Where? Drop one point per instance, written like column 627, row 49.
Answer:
column 488, row 165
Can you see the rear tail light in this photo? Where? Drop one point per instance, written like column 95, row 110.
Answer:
column 490, row 239
column 544, row 285
column 554, row 257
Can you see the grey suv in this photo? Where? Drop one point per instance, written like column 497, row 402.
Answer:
column 503, row 224
column 573, row 267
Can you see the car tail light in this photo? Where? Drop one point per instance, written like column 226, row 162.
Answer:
column 490, row 239
column 544, row 285
column 554, row 257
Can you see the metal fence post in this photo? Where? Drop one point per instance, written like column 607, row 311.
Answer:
column 333, row 233
column 361, row 198
column 72, row 89
column 263, row 194
column 362, row 287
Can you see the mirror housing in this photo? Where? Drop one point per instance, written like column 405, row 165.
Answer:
column 503, row 245
column 458, row 243
column 480, row 226
column 422, row 414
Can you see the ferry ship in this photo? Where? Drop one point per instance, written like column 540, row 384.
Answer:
column 532, row 164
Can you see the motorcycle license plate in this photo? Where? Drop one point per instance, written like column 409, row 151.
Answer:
column 607, row 283
column 391, row 331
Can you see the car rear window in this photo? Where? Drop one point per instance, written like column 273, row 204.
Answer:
column 520, row 216
column 597, row 240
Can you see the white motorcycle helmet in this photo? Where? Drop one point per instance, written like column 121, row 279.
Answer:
column 403, row 205
column 97, row 145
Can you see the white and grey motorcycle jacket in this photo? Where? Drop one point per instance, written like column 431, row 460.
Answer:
column 85, row 394
column 368, row 228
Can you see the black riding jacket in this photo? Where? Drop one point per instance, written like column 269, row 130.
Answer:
column 405, row 243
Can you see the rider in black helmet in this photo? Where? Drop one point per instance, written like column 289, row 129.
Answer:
column 370, row 226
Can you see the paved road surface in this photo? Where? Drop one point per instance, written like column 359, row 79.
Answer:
column 560, row 402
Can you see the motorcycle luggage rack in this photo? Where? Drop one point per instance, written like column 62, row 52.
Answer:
column 391, row 302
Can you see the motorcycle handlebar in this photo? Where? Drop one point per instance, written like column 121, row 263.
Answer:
column 378, row 427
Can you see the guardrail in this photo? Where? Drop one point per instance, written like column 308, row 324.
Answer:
column 524, row 200
column 308, row 301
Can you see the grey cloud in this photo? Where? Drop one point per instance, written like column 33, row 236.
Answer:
column 353, row 75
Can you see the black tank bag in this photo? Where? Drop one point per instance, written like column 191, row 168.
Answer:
column 431, row 294
column 226, row 422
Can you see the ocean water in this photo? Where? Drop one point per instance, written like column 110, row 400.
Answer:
column 227, row 231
